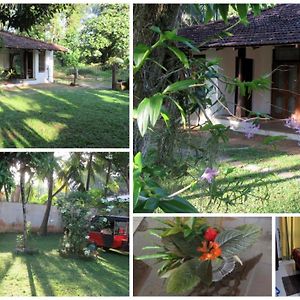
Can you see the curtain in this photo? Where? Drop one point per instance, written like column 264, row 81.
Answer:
column 289, row 235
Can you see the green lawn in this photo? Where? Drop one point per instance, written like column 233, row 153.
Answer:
column 60, row 116
column 48, row 274
column 272, row 176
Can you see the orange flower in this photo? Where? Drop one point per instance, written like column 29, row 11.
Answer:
column 210, row 250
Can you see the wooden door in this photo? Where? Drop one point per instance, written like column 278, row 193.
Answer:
column 285, row 100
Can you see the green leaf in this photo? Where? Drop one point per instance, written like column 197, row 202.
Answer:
column 155, row 29
column 229, row 241
column 234, row 241
column 143, row 112
column 136, row 192
column 180, row 55
column 242, row 10
column 152, row 256
column 223, row 9
column 155, row 107
column 177, row 205
column 172, row 36
column 183, row 279
column 182, row 113
column 204, row 271
column 180, row 85
column 151, row 247
column 209, row 12
column 140, row 54
column 256, row 9
column 138, row 161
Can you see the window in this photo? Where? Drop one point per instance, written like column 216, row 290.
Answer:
column 287, row 54
column 42, row 61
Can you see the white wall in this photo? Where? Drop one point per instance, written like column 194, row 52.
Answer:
column 43, row 77
column 262, row 65
column 11, row 217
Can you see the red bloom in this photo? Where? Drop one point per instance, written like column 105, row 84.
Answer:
column 210, row 234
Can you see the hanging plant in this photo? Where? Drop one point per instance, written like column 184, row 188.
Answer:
column 192, row 252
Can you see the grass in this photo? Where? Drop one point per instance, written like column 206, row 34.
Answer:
column 48, row 274
column 271, row 180
column 59, row 116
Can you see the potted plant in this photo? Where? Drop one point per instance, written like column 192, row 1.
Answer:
column 193, row 252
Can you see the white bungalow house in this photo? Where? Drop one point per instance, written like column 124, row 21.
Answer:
column 269, row 41
column 26, row 60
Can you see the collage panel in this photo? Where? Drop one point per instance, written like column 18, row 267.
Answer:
column 64, row 224
column 287, row 256
column 193, row 256
column 216, row 93
column 64, row 75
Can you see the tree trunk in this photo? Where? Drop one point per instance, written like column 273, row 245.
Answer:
column 44, row 226
column 114, row 77
column 6, row 193
column 23, row 200
column 89, row 169
column 75, row 76
column 107, row 178
column 146, row 82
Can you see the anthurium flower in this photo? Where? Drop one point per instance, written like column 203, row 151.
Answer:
column 209, row 174
column 210, row 250
column 210, row 234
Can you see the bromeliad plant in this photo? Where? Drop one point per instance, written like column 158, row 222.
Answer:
column 193, row 252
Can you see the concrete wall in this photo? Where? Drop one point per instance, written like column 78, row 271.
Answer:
column 11, row 217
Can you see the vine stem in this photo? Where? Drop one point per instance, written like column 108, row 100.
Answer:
column 182, row 190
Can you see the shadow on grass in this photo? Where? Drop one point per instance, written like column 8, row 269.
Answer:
column 48, row 274
column 65, row 118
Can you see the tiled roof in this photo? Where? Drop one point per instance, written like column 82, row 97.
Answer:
column 10, row 40
column 274, row 26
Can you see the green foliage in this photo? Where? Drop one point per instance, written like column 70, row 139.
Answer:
column 106, row 36
column 23, row 16
column 148, row 195
column 76, row 216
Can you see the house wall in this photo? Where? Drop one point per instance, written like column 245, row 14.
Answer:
column 4, row 58
column 43, row 77
column 39, row 77
column 11, row 217
column 262, row 65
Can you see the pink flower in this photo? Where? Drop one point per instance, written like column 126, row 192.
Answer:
column 250, row 129
column 293, row 124
column 209, row 174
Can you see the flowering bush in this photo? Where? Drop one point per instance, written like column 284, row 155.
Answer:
column 192, row 251
column 76, row 216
